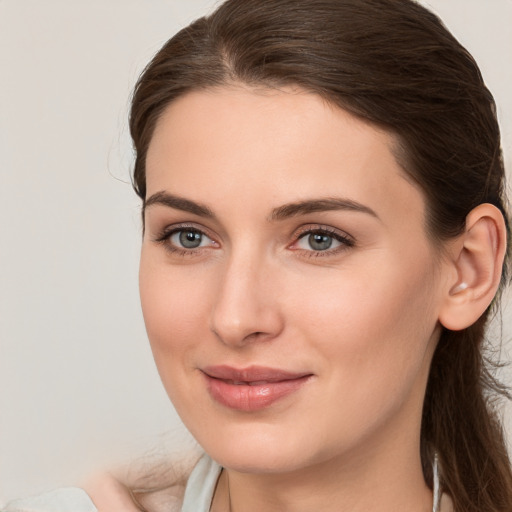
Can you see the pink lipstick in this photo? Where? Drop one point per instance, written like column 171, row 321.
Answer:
column 253, row 388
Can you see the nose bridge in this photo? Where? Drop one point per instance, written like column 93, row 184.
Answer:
column 245, row 309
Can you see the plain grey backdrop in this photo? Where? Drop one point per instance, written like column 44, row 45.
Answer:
column 78, row 388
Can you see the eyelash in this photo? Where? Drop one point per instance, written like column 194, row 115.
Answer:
column 165, row 236
column 345, row 241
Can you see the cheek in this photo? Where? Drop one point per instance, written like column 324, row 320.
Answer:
column 373, row 327
column 373, row 339
column 174, row 308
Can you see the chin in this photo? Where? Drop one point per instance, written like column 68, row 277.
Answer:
column 259, row 461
column 259, row 450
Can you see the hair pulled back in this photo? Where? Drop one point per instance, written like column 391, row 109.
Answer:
column 393, row 64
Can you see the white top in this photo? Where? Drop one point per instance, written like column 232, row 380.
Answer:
column 198, row 495
column 201, row 485
column 68, row 499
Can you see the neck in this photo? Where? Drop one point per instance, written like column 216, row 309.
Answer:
column 369, row 480
column 360, row 491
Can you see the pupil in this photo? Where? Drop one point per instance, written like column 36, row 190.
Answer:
column 190, row 239
column 320, row 242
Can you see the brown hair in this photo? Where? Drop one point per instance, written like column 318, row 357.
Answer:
column 394, row 64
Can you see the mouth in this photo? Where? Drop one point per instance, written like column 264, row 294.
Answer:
column 251, row 389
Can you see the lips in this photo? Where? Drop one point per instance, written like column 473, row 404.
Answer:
column 253, row 388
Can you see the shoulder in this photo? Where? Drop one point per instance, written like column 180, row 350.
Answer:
column 69, row 499
column 106, row 493
column 103, row 493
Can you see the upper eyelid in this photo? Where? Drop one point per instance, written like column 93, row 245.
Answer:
column 311, row 228
column 170, row 229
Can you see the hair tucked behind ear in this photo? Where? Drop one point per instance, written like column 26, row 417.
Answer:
column 460, row 413
column 394, row 64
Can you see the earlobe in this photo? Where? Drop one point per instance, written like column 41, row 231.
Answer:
column 478, row 260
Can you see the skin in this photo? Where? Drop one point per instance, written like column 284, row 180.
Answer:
column 362, row 317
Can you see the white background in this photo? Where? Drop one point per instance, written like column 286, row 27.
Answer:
column 78, row 388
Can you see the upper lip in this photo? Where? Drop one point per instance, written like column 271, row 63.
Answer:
column 252, row 374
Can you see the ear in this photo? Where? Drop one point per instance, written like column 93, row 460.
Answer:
column 477, row 256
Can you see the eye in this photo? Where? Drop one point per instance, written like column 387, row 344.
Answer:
column 189, row 239
column 317, row 241
column 322, row 240
column 184, row 240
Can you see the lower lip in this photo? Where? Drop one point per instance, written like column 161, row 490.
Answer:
column 248, row 398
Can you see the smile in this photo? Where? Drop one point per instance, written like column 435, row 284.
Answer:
column 253, row 388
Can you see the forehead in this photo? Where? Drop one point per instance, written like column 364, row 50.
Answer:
column 243, row 144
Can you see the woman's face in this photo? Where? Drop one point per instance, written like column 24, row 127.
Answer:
column 289, row 290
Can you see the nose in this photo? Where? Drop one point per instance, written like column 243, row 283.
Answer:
column 246, row 306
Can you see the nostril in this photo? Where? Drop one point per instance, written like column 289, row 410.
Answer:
column 254, row 336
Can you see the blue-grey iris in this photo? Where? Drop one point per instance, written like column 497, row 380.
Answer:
column 319, row 242
column 190, row 239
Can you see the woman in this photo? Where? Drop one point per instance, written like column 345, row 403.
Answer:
column 324, row 234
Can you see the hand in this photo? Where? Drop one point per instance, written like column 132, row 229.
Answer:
column 110, row 495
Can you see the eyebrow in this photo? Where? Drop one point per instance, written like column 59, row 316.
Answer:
column 319, row 205
column 178, row 203
column 280, row 213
